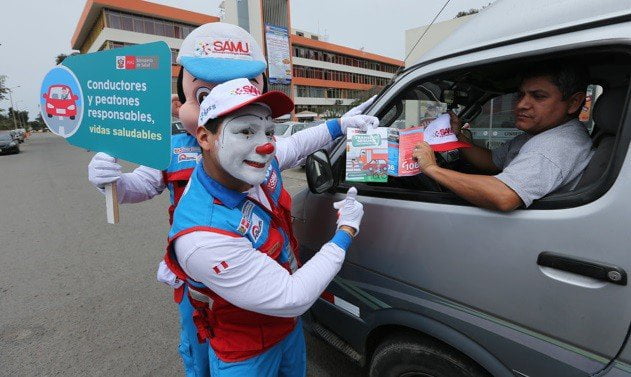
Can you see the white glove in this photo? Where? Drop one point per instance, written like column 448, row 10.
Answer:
column 349, row 210
column 166, row 276
column 361, row 122
column 103, row 169
column 360, row 108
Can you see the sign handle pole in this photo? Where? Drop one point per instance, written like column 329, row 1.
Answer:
column 111, row 203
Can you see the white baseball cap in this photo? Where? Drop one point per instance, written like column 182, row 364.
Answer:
column 233, row 95
column 218, row 52
column 439, row 135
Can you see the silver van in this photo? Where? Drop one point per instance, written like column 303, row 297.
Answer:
column 433, row 286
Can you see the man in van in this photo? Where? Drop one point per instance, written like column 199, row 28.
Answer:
column 549, row 157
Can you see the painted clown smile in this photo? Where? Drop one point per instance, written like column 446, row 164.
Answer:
column 254, row 164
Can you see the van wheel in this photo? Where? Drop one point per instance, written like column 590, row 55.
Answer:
column 72, row 117
column 407, row 355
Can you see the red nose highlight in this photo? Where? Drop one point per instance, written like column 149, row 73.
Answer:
column 267, row 148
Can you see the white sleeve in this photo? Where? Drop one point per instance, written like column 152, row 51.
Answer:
column 142, row 184
column 291, row 151
column 251, row 280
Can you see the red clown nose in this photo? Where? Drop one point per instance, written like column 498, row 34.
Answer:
column 267, row 148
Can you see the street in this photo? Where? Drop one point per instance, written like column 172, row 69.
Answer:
column 79, row 296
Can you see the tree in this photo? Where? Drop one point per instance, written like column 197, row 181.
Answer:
column 38, row 123
column 21, row 119
column 61, row 57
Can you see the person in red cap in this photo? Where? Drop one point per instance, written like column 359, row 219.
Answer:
column 232, row 243
column 549, row 157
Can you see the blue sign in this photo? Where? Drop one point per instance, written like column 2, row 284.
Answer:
column 114, row 101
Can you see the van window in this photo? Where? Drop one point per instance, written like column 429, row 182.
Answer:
column 485, row 97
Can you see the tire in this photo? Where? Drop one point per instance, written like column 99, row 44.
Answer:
column 72, row 117
column 407, row 355
column 50, row 115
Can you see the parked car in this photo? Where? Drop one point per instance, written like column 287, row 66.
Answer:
column 435, row 286
column 8, row 144
column 20, row 135
column 303, row 126
column 286, row 129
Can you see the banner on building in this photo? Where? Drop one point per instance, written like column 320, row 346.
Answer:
column 278, row 54
column 115, row 101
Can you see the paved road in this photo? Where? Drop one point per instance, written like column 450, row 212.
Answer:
column 78, row 297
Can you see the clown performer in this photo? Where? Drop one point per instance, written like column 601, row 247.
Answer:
column 203, row 67
column 232, row 243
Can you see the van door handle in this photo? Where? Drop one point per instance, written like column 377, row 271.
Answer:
column 596, row 270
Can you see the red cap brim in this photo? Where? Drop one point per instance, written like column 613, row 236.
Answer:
column 444, row 147
column 277, row 101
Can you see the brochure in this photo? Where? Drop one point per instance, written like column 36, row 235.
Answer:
column 400, row 148
column 367, row 155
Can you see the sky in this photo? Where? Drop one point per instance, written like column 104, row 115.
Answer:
column 33, row 33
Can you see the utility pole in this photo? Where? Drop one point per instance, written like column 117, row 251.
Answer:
column 15, row 125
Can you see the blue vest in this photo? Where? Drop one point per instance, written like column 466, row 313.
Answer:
column 235, row 334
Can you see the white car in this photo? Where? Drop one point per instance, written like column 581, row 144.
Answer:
column 286, row 129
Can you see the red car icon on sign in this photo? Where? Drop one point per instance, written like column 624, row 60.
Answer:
column 60, row 101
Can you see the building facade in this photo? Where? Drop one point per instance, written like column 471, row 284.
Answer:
column 323, row 79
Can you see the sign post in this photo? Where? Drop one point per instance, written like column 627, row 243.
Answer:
column 114, row 101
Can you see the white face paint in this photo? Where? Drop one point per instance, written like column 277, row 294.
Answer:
column 241, row 132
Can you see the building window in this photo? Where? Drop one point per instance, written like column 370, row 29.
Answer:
column 314, row 54
column 147, row 25
column 113, row 21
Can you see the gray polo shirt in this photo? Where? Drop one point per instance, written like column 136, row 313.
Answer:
column 552, row 161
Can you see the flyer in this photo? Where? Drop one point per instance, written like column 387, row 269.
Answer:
column 367, row 155
column 401, row 144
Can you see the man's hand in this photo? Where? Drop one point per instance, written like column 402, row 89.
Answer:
column 457, row 126
column 360, row 108
column 103, row 169
column 361, row 122
column 350, row 212
column 424, row 155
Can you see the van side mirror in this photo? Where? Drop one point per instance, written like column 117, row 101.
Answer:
column 45, row 95
column 319, row 172
column 75, row 97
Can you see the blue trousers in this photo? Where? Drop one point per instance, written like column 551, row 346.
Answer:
column 194, row 355
column 288, row 358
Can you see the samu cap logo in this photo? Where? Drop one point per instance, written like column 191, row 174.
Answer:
column 208, row 47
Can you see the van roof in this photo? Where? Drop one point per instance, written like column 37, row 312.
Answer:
column 507, row 20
